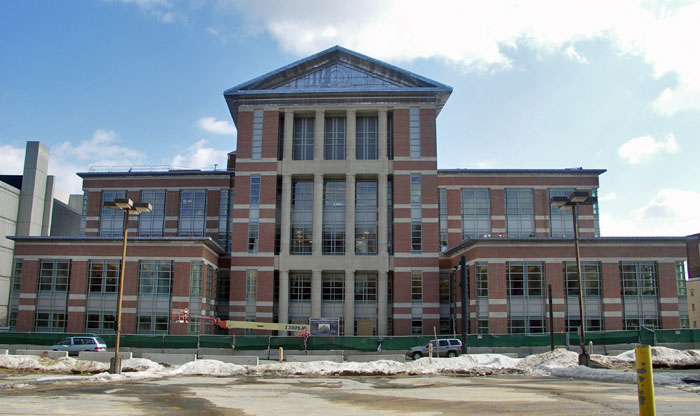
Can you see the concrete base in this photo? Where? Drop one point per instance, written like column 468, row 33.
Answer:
column 169, row 359
column 3, row 352
column 232, row 359
column 115, row 365
column 102, row 357
column 43, row 353
column 315, row 357
column 376, row 357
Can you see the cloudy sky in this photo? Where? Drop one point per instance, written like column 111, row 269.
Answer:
column 537, row 84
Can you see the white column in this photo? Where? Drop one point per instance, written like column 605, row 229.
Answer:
column 285, row 219
column 382, row 132
column 317, row 215
column 288, row 133
column 349, row 306
column 316, row 294
column 350, row 138
column 318, row 134
column 283, row 313
column 382, row 305
column 383, row 216
column 349, row 214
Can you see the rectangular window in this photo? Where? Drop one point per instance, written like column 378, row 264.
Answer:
column 592, row 324
column 417, row 327
column 251, row 286
column 280, row 137
column 520, row 213
column 561, row 220
column 390, row 135
column 482, row 280
column 444, row 288
column 443, row 218
column 366, row 217
column 590, row 274
column 416, row 236
column 223, row 286
column 111, row 220
column 303, row 138
column 254, row 214
column 525, row 279
column 278, row 216
column 334, row 138
column 633, row 323
column 17, row 276
column 482, row 326
column 414, row 131
column 300, row 287
column 256, row 153
column 100, row 322
column 333, row 286
column 333, row 233
column 476, row 213
column 524, row 325
column 417, row 287
column 155, row 277
column 681, row 280
column 211, row 284
column 365, row 287
column 50, row 321
column 225, row 215
column 153, row 324
column 151, row 223
column 390, row 215
column 638, row 278
column 193, row 208
column 83, row 213
column 196, row 274
column 416, row 214
column 302, row 217
column 54, row 275
column 103, row 276
column 366, row 138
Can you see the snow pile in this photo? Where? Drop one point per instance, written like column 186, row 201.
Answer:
column 660, row 357
column 544, row 364
column 208, row 367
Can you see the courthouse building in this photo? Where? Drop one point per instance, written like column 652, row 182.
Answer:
column 333, row 206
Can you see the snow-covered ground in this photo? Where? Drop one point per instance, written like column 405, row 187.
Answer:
column 557, row 363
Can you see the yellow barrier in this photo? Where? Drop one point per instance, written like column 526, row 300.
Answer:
column 645, row 381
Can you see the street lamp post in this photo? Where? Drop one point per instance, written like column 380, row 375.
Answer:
column 127, row 206
column 572, row 202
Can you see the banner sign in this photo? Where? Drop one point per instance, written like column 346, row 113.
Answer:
column 324, row 327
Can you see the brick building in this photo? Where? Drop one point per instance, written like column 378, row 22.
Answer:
column 333, row 206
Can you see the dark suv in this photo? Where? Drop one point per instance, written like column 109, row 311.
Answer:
column 441, row 348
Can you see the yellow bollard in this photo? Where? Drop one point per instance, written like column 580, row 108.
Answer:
column 430, row 350
column 281, row 354
column 645, row 381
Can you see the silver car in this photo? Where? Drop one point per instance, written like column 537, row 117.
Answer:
column 441, row 348
column 83, row 343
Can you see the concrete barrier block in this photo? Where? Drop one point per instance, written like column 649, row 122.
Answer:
column 169, row 359
column 315, row 357
column 232, row 359
column 363, row 358
column 103, row 357
column 3, row 352
column 43, row 353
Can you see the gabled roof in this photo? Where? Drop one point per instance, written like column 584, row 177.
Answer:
column 336, row 75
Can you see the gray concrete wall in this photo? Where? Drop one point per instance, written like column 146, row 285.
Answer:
column 43, row 353
column 9, row 205
column 170, row 359
column 30, row 217
column 103, row 357
column 232, row 359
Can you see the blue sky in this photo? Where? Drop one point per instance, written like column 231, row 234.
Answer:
column 537, row 84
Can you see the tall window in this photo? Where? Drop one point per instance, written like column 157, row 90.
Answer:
column 476, row 213
column 53, row 275
column 681, row 281
column 196, row 274
column 638, row 278
column 50, row 321
column 416, row 214
column 390, row 215
column 444, row 287
column 303, row 139
column 225, row 210
column 100, row 322
column 443, row 218
column 256, row 152
column 366, row 142
column 193, row 207
column 302, row 217
column 104, row 276
column 482, row 280
column 334, row 138
column 590, row 274
column 254, row 214
column 414, row 131
column 366, row 217
column 251, row 286
column 111, row 220
column 333, row 286
column 151, row 223
column 300, row 287
column 365, row 287
column 416, row 287
column 525, row 279
column 560, row 220
column 17, row 276
column 83, row 214
column 155, row 277
column 333, row 234
column 390, row 135
column 520, row 213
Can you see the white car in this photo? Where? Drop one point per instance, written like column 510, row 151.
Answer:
column 83, row 343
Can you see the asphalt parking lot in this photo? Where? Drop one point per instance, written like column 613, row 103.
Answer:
column 408, row 395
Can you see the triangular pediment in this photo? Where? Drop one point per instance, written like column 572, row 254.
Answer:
column 340, row 76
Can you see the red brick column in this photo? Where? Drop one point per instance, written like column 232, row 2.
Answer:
column 498, row 212
column 612, row 296
column 668, row 296
column 77, row 296
column 180, row 294
column 541, row 202
column 554, row 276
column 431, row 302
column 27, row 300
column 402, row 298
column 130, row 297
column 498, row 295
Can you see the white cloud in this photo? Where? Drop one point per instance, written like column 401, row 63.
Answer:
column 610, row 196
column 641, row 149
column 199, row 156
column 212, row 125
column 161, row 10
column 671, row 212
column 479, row 35
column 11, row 160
